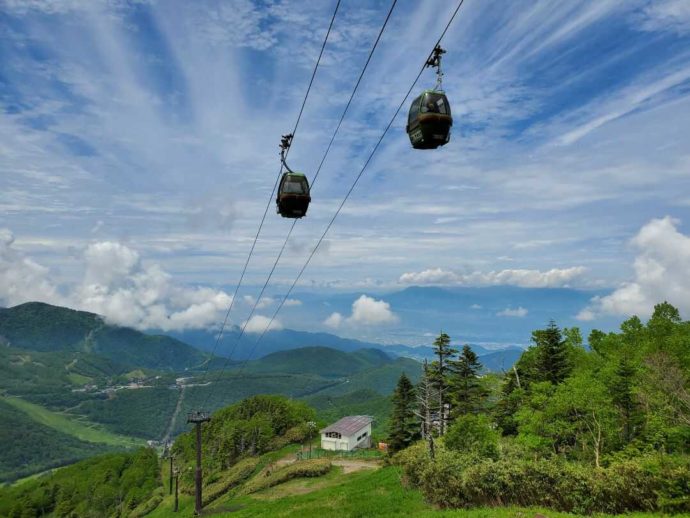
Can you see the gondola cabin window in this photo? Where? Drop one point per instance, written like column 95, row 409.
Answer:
column 414, row 109
column 295, row 186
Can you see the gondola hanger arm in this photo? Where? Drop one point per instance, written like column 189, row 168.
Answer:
column 434, row 61
column 285, row 143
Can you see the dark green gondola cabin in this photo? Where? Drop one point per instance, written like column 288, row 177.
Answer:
column 293, row 195
column 429, row 121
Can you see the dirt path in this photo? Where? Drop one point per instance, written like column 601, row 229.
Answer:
column 350, row 466
column 171, row 426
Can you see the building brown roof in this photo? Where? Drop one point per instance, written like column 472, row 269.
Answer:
column 349, row 425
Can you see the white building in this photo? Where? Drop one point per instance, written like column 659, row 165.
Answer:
column 347, row 434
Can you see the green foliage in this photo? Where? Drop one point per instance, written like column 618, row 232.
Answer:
column 466, row 390
column 323, row 361
column 248, row 428
column 142, row 412
column 553, row 363
column 404, row 428
column 457, row 480
column 41, row 327
column 109, row 485
column 473, row 433
column 30, row 447
column 304, row 468
column 230, row 479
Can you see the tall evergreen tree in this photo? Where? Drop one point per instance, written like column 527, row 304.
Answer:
column 404, row 428
column 623, row 396
column 466, row 391
column 440, row 374
column 553, row 361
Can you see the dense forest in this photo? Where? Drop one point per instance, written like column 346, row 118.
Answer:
column 600, row 428
column 109, row 485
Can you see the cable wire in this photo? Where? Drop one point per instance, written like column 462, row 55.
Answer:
column 349, row 192
column 219, row 337
column 354, row 91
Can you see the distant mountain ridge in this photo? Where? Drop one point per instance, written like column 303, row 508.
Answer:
column 42, row 327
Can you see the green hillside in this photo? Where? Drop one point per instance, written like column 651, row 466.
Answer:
column 32, row 447
column 326, row 362
column 41, row 327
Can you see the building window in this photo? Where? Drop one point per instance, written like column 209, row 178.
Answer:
column 333, row 435
column 362, row 436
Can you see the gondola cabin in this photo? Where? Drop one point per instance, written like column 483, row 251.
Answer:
column 293, row 195
column 429, row 121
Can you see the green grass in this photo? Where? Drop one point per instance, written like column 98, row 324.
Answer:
column 357, row 495
column 78, row 379
column 70, row 426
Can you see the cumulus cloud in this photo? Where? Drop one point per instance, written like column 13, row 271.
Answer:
column 369, row 311
column 22, row 279
column 334, row 320
column 518, row 312
column 292, row 303
column 116, row 284
column 366, row 311
column 258, row 323
column 661, row 273
column 556, row 277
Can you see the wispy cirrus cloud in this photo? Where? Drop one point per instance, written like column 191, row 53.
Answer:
column 156, row 123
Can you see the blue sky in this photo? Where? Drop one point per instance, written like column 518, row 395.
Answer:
column 138, row 147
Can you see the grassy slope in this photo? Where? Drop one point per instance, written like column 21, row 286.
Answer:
column 87, row 432
column 30, row 447
column 361, row 494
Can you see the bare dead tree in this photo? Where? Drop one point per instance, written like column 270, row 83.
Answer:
column 426, row 396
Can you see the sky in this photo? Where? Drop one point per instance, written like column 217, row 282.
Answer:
column 139, row 146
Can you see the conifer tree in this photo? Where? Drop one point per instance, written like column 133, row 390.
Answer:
column 404, row 428
column 623, row 396
column 553, row 361
column 440, row 375
column 466, row 391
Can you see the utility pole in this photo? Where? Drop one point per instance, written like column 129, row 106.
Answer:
column 198, row 417
column 177, row 489
column 311, row 425
column 171, row 473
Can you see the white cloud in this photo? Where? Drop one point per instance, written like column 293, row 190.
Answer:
column 555, row 277
column 369, row 311
column 263, row 303
column 258, row 323
column 366, row 311
column 292, row 303
column 475, row 306
column 667, row 15
column 22, row 279
column 519, row 312
column 334, row 321
column 661, row 274
column 116, row 284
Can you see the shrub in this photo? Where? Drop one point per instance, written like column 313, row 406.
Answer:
column 473, row 433
column 455, row 480
column 305, row 468
column 232, row 478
